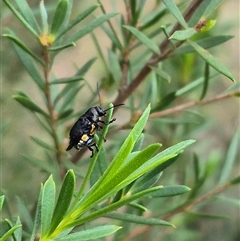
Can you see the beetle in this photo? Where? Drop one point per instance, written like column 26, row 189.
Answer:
column 83, row 131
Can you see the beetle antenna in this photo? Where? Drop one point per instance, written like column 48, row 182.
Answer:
column 113, row 107
column 99, row 97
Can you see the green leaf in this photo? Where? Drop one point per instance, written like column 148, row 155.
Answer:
column 91, row 26
column 235, row 180
column 153, row 18
column 114, row 66
column 23, row 47
column 215, row 63
column 173, row 9
column 182, row 35
column 164, row 102
column 169, row 191
column 47, row 205
column 26, row 102
column 158, row 70
column 38, row 163
column 205, row 43
column 18, row 233
column 67, row 80
column 65, row 113
column 191, row 86
column 10, row 232
column 37, row 219
column 24, row 214
column 29, row 64
column 21, row 18
column 150, row 178
column 137, row 219
column 28, row 14
column 212, row 5
column 60, row 16
column 112, row 207
column 206, row 81
column 79, row 18
column 144, row 39
column 2, row 197
column 90, row 234
column 232, row 153
column 61, row 47
column 44, row 17
column 43, row 144
column 64, row 200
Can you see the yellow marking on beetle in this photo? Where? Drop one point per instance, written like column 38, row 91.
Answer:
column 92, row 131
column 84, row 137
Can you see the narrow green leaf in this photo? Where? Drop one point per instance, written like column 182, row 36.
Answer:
column 67, row 80
column 164, row 102
column 24, row 214
column 28, row 14
column 173, row 9
column 61, row 47
column 37, row 219
column 18, row 233
column 59, row 18
column 79, row 18
column 215, row 63
column 90, row 27
column 47, row 205
column 23, row 47
column 90, row 234
column 29, row 64
column 132, row 138
column 212, row 5
column 205, row 43
column 111, row 207
column 232, row 153
column 112, row 36
column 169, row 191
column 153, row 18
column 43, row 144
column 206, row 81
column 37, row 163
column 64, row 200
column 137, row 219
column 182, row 35
column 21, row 18
column 10, row 232
column 163, row 157
column 235, row 180
column 150, row 178
column 120, row 179
column 161, row 73
column 69, row 98
column 114, row 66
column 44, row 17
column 84, row 69
column 2, row 197
column 65, row 113
column 26, row 102
column 144, row 39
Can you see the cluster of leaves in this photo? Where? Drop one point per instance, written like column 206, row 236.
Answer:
column 133, row 173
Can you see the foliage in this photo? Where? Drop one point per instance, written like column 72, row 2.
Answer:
column 140, row 53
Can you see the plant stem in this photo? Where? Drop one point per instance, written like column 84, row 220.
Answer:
column 166, row 50
column 192, row 104
column 46, row 57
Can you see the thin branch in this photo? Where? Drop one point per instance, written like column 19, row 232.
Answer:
column 186, row 207
column 193, row 104
column 123, row 95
